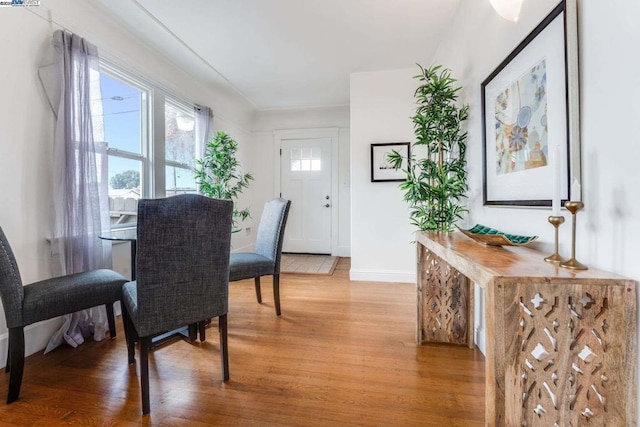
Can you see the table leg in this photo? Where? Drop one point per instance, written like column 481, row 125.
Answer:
column 133, row 260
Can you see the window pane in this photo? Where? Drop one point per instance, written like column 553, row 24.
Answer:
column 179, row 181
column 306, row 165
column 295, row 165
column 316, row 165
column 124, row 189
column 121, row 109
column 180, row 144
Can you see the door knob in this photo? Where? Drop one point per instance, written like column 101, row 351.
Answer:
column 327, row 205
column 326, row 197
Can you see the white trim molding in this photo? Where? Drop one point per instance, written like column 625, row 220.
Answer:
column 390, row 276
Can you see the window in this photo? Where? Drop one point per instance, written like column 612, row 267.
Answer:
column 142, row 164
column 125, row 117
column 306, row 159
column 180, row 148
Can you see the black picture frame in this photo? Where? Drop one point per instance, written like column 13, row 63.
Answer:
column 381, row 170
column 517, row 147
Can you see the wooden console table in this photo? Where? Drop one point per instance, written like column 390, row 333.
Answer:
column 561, row 344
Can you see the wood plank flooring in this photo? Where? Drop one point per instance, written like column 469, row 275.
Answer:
column 343, row 353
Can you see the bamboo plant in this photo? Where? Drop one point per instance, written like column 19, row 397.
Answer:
column 437, row 182
column 219, row 175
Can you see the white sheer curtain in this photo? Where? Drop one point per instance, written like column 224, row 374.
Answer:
column 80, row 200
column 204, row 127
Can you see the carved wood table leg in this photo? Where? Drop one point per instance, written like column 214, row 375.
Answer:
column 443, row 301
column 566, row 355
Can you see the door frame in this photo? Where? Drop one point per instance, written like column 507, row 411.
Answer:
column 334, row 135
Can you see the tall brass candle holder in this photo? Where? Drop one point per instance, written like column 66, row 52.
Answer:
column 556, row 221
column 573, row 264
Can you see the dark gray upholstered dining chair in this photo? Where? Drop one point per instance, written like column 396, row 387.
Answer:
column 182, row 273
column 24, row 305
column 266, row 259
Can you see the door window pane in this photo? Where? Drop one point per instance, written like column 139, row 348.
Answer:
column 306, row 159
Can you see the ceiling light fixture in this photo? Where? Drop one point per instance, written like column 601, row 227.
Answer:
column 508, row 9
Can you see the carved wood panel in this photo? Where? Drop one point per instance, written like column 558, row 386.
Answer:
column 444, row 302
column 566, row 357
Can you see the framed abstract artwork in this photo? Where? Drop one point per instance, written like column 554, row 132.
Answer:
column 531, row 145
column 381, row 168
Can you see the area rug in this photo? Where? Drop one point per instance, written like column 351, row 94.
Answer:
column 308, row 264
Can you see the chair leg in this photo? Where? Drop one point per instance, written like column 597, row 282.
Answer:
column 130, row 335
column 201, row 329
column 111, row 318
column 7, row 367
column 145, row 344
column 224, row 352
column 276, row 293
column 124, row 321
column 258, row 293
column 193, row 332
column 16, row 343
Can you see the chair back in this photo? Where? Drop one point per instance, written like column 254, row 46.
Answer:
column 271, row 230
column 11, row 289
column 182, row 273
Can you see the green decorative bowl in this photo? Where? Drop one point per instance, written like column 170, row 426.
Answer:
column 489, row 236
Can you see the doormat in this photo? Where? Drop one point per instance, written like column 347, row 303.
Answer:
column 308, row 264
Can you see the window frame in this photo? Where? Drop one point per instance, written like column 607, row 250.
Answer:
column 152, row 132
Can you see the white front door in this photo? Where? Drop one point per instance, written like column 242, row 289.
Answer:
column 306, row 180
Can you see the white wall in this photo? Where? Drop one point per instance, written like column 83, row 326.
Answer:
column 267, row 123
column 382, row 102
column 243, row 240
column 609, row 226
column 381, row 236
column 478, row 40
column 26, row 126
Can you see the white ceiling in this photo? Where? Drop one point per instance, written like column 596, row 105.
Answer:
column 287, row 53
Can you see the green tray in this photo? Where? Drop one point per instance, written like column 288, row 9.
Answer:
column 489, row 236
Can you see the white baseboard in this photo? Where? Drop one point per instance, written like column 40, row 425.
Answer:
column 382, row 276
column 480, row 340
column 479, row 330
column 36, row 337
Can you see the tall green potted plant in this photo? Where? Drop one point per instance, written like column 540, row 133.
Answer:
column 436, row 172
column 219, row 174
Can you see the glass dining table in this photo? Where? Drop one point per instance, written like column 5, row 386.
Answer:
column 128, row 234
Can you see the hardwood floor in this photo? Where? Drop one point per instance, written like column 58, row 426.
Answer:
column 343, row 353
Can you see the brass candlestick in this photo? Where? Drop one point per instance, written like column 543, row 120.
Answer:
column 556, row 221
column 573, row 264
